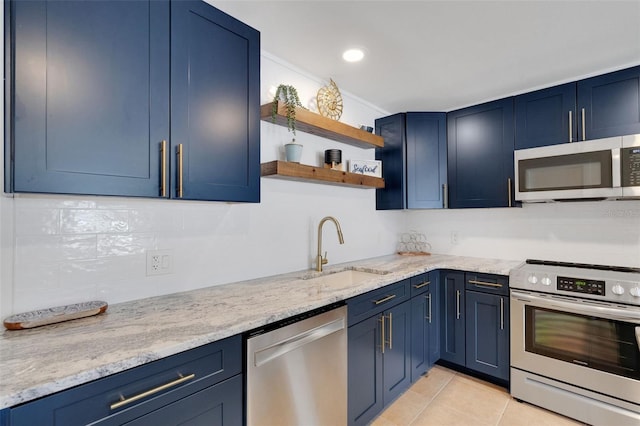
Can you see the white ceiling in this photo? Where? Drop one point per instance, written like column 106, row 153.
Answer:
column 443, row 55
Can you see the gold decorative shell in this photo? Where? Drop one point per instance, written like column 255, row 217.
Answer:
column 330, row 101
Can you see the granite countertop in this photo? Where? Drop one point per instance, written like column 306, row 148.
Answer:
column 40, row 361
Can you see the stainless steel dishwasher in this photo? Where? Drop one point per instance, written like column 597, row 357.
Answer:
column 297, row 371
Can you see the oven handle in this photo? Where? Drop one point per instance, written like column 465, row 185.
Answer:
column 632, row 316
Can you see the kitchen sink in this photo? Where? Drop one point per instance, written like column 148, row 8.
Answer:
column 342, row 279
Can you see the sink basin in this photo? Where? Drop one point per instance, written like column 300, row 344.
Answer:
column 342, row 279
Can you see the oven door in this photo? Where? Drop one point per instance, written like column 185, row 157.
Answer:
column 589, row 344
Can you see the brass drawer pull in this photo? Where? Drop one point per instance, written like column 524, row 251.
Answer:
column 163, row 161
column 428, row 296
column 485, row 283
column 426, row 283
column 382, row 332
column 390, row 331
column 125, row 401
column 385, row 299
column 180, row 155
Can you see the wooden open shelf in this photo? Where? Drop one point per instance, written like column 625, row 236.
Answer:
column 301, row 172
column 316, row 124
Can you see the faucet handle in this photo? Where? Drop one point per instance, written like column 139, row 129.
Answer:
column 324, row 259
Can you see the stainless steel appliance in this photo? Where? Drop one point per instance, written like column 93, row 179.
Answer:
column 598, row 169
column 575, row 340
column 297, row 371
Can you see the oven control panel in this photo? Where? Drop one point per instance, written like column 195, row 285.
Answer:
column 579, row 285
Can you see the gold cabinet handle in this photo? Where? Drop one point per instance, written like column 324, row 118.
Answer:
column 584, row 126
column 125, row 401
column 428, row 296
column 457, row 304
column 570, row 126
column 382, row 341
column 417, row 286
column 485, row 283
column 179, row 154
column 509, row 192
column 163, row 162
column 445, row 196
column 501, row 313
column 390, row 331
column 384, row 299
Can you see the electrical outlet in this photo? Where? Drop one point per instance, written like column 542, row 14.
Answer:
column 454, row 237
column 159, row 262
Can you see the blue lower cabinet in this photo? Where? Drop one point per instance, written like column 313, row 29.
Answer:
column 425, row 326
column 452, row 330
column 218, row 405
column 475, row 322
column 202, row 386
column 365, row 371
column 487, row 334
column 379, row 359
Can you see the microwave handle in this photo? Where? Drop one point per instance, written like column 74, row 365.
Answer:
column 616, row 171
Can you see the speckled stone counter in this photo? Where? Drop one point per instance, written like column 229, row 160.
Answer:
column 41, row 361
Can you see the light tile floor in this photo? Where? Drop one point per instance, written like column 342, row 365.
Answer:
column 448, row 398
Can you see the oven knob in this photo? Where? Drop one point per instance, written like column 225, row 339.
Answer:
column 635, row 292
column 546, row 280
column 617, row 289
column 532, row 279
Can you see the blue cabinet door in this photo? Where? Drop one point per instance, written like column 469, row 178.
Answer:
column 546, row 117
column 487, row 331
column 365, row 371
column 480, row 153
column 433, row 301
column 452, row 323
column 217, row 405
column 414, row 160
column 90, row 100
column 426, row 159
column 420, row 336
column 393, row 195
column 611, row 104
column 396, row 376
column 215, row 105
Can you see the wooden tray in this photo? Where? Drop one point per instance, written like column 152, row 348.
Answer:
column 54, row 315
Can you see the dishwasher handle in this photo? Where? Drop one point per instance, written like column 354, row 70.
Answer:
column 264, row 355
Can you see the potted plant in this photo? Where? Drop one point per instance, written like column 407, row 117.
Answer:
column 288, row 95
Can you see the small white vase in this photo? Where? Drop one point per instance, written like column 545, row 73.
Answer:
column 293, row 152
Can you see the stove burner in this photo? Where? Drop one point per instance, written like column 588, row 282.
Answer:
column 584, row 266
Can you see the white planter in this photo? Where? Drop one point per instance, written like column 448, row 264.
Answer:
column 293, row 152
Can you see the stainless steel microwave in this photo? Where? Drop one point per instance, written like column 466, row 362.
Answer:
column 598, row 169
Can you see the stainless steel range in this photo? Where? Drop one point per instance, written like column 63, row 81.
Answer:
column 575, row 340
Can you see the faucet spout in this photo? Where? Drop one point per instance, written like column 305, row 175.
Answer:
column 320, row 260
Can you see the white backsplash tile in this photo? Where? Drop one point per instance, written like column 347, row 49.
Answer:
column 125, row 244
column 81, row 221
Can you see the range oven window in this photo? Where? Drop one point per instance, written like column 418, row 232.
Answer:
column 597, row 343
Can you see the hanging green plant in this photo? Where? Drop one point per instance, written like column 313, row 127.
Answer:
column 289, row 96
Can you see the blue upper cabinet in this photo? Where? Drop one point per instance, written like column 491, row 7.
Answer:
column 414, row 160
column 90, row 102
column 609, row 105
column 546, row 117
column 133, row 98
column 604, row 106
column 394, row 194
column 480, row 153
column 215, row 105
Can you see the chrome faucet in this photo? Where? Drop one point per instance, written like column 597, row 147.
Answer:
column 323, row 260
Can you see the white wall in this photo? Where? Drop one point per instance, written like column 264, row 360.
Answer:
column 64, row 249
column 604, row 232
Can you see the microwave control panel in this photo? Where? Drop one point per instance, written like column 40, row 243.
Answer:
column 630, row 166
column 579, row 285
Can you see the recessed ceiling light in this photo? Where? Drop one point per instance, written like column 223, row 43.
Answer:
column 353, row 55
